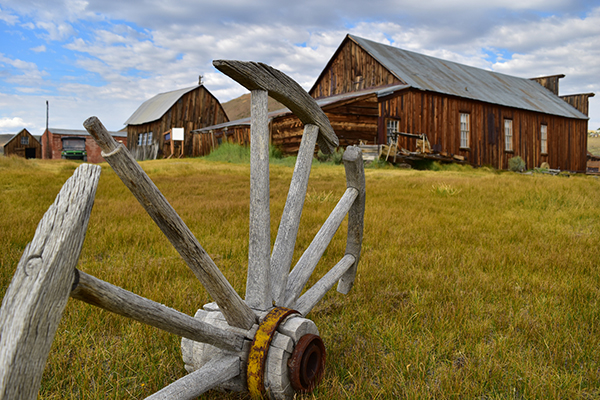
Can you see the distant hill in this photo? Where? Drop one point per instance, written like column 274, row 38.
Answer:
column 240, row 107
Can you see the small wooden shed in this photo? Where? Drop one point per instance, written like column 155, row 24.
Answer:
column 149, row 127
column 23, row 144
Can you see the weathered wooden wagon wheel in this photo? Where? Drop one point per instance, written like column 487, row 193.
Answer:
column 262, row 344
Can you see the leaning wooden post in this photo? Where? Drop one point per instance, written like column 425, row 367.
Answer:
column 258, row 293
column 39, row 291
column 235, row 310
column 355, row 178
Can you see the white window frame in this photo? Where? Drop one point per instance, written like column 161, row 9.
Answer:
column 391, row 130
column 508, row 135
column 465, row 130
column 544, row 138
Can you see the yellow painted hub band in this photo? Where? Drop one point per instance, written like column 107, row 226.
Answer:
column 257, row 357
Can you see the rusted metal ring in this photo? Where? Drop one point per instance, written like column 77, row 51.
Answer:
column 307, row 363
column 255, row 371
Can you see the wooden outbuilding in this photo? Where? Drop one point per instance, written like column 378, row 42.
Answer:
column 23, row 144
column 52, row 143
column 149, row 127
column 381, row 94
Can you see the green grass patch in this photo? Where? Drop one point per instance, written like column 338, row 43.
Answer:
column 472, row 284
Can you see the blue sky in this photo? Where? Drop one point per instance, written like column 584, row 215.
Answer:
column 105, row 57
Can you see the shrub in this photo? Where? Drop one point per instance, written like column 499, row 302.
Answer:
column 516, row 164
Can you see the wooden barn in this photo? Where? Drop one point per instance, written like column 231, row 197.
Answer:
column 54, row 138
column 149, row 129
column 23, row 144
column 381, row 94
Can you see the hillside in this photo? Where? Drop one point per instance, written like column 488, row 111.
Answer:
column 594, row 145
column 239, row 108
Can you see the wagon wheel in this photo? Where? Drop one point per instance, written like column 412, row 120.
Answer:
column 262, row 344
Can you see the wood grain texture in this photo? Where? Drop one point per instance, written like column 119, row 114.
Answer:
column 236, row 311
column 215, row 372
column 120, row 301
column 283, row 250
column 313, row 295
column 309, row 259
column 35, row 300
column 355, row 178
column 258, row 292
column 253, row 75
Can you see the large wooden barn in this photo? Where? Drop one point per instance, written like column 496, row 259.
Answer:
column 23, row 144
column 377, row 93
column 149, row 128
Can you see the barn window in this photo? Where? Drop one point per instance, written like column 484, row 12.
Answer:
column 508, row 135
column 25, row 140
column 140, row 139
column 544, row 139
column 465, row 131
column 392, row 130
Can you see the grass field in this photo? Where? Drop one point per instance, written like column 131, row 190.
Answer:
column 594, row 145
column 473, row 284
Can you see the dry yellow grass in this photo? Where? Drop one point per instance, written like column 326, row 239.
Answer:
column 472, row 284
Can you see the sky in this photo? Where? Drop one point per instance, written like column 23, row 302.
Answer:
column 106, row 57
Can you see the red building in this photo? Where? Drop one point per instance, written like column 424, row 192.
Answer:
column 52, row 143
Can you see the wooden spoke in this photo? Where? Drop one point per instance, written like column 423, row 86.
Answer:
column 253, row 75
column 313, row 295
column 283, row 250
column 215, row 372
column 35, row 300
column 258, row 293
column 120, row 301
column 235, row 310
column 308, row 261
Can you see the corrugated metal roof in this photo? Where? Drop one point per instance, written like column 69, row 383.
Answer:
column 154, row 108
column 433, row 74
column 82, row 132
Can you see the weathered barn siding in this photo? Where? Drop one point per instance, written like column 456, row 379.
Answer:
column 438, row 116
column 351, row 69
column 579, row 101
column 23, row 144
column 195, row 109
column 205, row 142
column 550, row 82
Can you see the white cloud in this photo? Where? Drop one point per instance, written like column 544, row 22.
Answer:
column 13, row 124
column 158, row 46
column 39, row 49
column 8, row 18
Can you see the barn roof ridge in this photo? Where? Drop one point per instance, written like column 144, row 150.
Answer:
column 155, row 107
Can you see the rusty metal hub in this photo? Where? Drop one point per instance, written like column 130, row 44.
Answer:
column 307, row 363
